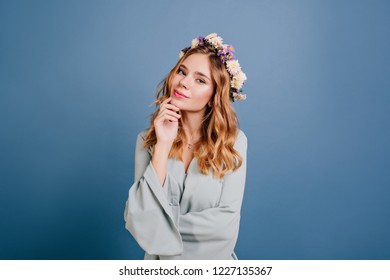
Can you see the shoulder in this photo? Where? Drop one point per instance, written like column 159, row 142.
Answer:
column 241, row 135
column 142, row 135
column 141, row 138
column 241, row 143
column 241, row 138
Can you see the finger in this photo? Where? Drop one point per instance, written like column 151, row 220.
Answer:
column 171, row 119
column 166, row 101
column 167, row 114
column 172, row 113
column 170, row 107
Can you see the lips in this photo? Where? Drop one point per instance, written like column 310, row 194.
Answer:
column 179, row 94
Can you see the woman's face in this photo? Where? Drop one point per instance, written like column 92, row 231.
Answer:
column 192, row 86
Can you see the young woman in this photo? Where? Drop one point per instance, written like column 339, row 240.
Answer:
column 190, row 165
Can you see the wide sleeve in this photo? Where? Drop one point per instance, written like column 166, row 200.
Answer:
column 220, row 223
column 148, row 215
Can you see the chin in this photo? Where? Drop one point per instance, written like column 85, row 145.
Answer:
column 176, row 103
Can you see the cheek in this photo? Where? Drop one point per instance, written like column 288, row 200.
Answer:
column 206, row 94
column 210, row 92
column 175, row 79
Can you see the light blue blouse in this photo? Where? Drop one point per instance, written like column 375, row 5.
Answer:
column 193, row 216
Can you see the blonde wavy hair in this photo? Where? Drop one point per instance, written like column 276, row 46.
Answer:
column 214, row 151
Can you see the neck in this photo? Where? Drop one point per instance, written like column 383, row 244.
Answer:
column 192, row 125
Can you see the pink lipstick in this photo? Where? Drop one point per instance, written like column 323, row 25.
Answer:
column 178, row 94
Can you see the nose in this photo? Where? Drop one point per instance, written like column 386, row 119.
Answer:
column 185, row 82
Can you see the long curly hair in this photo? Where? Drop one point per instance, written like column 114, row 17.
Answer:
column 214, row 151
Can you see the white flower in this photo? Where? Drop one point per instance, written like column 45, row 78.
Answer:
column 181, row 54
column 237, row 84
column 238, row 80
column 233, row 67
column 239, row 96
column 212, row 35
column 216, row 41
column 194, row 43
column 240, row 76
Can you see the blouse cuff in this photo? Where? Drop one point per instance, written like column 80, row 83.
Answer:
column 160, row 191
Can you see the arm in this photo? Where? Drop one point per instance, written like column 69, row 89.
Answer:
column 148, row 216
column 166, row 125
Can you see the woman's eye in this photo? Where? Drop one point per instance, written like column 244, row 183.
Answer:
column 200, row 81
column 181, row 72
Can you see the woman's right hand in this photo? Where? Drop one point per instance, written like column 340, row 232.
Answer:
column 167, row 123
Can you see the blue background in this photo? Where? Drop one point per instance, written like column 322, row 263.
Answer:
column 76, row 82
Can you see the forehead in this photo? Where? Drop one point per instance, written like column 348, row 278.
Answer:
column 198, row 62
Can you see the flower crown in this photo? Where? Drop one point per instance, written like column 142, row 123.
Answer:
column 226, row 54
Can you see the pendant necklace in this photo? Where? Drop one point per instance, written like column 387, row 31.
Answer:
column 191, row 145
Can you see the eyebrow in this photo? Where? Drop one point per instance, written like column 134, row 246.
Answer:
column 198, row 73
